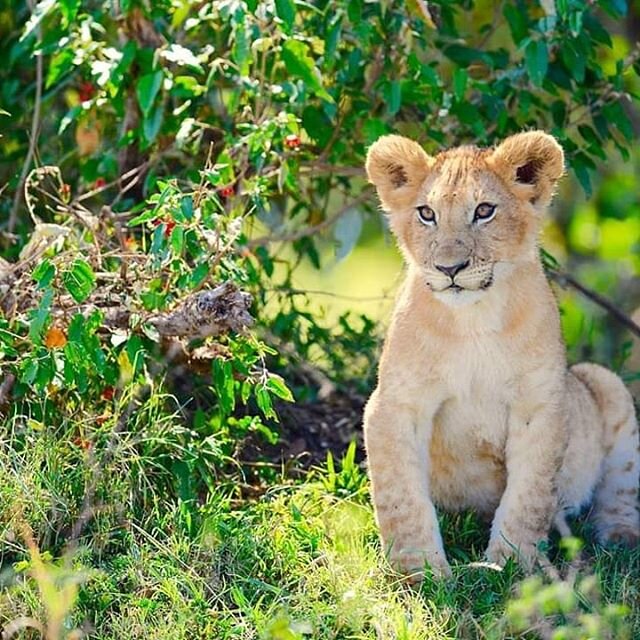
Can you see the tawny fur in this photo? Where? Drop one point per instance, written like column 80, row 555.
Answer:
column 475, row 406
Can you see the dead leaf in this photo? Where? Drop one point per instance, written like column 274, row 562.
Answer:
column 55, row 338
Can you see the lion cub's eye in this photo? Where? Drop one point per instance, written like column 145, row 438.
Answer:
column 426, row 215
column 484, row 212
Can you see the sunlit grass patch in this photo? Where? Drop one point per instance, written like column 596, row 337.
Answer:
column 302, row 562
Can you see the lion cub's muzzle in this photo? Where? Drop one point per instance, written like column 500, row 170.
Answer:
column 454, row 267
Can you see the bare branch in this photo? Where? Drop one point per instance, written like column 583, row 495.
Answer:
column 567, row 280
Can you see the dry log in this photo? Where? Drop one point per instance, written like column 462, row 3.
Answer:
column 207, row 313
column 201, row 315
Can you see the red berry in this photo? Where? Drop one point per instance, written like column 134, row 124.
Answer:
column 169, row 226
column 107, row 393
column 86, row 91
column 227, row 191
column 292, row 141
column 65, row 192
column 99, row 183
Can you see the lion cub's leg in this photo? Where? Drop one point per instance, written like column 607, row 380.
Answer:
column 615, row 506
column 397, row 452
column 534, row 450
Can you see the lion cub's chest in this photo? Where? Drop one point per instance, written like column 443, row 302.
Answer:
column 467, row 467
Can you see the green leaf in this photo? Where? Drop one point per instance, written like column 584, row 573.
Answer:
column 574, row 61
column 39, row 13
column 157, row 239
column 279, row 388
column 517, row 19
column 69, row 10
column 40, row 315
column 60, row 63
column 28, row 372
column 299, row 64
column 615, row 8
column 464, row 56
column 537, row 61
column 152, row 124
column 147, row 90
column 79, row 280
column 69, row 117
column 199, row 274
column 596, row 31
column 135, row 353
column 241, row 50
column 44, row 273
column 151, row 214
column 394, row 97
column 224, row 385
column 332, row 41
column 286, row 11
column 186, row 207
column 347, row 231
column 581, row 164
column 317, row 125
column 460, row 77
column 177, row 239
column 617, row 116
column 265, row 405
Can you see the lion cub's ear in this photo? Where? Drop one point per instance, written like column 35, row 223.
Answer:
column 534, row 161
column 397, row 166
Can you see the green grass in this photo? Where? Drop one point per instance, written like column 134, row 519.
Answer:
column 301, row 562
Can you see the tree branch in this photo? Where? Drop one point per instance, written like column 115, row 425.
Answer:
column 567, row 280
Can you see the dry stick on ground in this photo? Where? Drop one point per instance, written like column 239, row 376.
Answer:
column 33, row 142
column 566, row 280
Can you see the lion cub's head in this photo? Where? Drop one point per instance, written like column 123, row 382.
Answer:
column 466, row 216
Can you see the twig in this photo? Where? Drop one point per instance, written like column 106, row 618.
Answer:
column 567, row 280
column 133, row 173
column 317, row 166
column 33, row 142
column 331, row 294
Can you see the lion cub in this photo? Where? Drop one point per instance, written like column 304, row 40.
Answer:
column 475, row 407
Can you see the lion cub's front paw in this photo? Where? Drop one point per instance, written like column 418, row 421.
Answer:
column 411, row 562
column 501, row 550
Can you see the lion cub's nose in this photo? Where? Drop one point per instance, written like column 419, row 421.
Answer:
column 451, row 270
